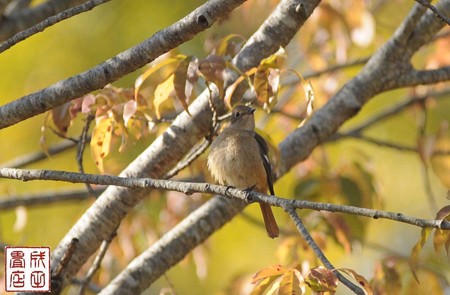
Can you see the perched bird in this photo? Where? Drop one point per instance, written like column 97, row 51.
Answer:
column 239, row 158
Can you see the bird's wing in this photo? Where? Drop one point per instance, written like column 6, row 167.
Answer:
column 264, row 151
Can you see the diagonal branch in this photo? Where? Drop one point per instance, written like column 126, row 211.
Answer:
column 316, row 249
column 124, row 63
column 50, row 21
column 25, row 18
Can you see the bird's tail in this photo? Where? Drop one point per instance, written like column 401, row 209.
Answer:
column 269, row 220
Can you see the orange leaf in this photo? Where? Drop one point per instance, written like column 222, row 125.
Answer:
column 271, row 271
column 162, row 93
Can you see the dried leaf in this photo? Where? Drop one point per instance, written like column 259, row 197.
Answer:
column 341, row 229
column 358, row 278
column 443, row 213
column 291, row 283
column 261, row 85
column 321, row 279
column 231, row 88
column 212, row 69
column 162, row 93
column 88, row 101
column 129, row 109
column 61, row 117
column 179, row 81
column 415, row 252
column 442, row 237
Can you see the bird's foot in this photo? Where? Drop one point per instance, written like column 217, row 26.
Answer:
column 247, row 191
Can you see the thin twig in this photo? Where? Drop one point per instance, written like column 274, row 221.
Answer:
column 7, row 203
column 423, row 160
column 35, row 157
column 68, row 13
column 196, row 187
column 82, row 145
column 316, row 249
column 196, row 152
column 435, row 11
column 96, row 264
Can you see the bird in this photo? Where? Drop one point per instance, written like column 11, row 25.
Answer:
column 238, row 157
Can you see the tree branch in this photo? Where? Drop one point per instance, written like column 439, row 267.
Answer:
column 435, row 11
column 25, row 18
column 50, row 21
column 169, row 148
column 189, row 188
column 111, row 70
column 316, row 249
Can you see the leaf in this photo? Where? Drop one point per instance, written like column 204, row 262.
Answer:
column 415, row 252
column 61, row 117
column 162, row 93
column 261, row 85
column 341, row 229
column 212, row 68
column 231, row 88
column 441, row 236
column 443, row 213
column 155, row 67
column 88, row 101
column 310, row 96
column 263, row 286
column 179, row 81
column 101, row 141
column 358, row 278
column 291, row 283
column 129, row 109
column 271, row 271
column 321, row 279
column 226, row 47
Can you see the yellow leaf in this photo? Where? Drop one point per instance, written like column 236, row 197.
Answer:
column 101, row 141
column 415, row 252
column 162, row 92
column 155, row 67
column 226, row 47
column 291, row 283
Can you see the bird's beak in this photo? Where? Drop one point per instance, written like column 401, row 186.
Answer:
column 251, row 111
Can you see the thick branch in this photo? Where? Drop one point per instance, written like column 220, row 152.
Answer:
column 384, row 71
column 118, row 66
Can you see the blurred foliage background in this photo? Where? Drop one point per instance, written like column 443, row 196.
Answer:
column 348, row 171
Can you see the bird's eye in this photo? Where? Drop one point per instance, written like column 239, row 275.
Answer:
column 237, row 114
